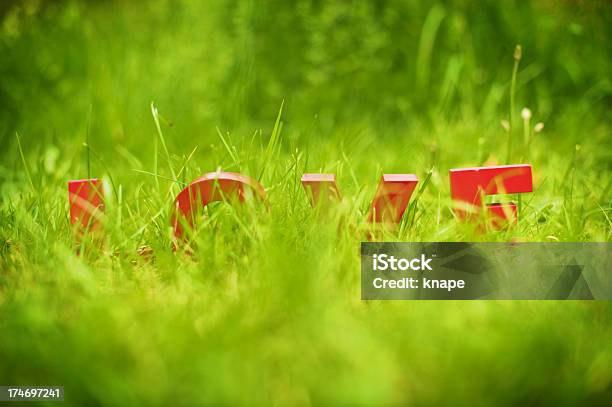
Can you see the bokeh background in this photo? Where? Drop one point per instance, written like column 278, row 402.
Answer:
column 390, row 69
column 266, row 310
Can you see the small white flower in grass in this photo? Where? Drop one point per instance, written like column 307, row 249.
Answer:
column 526, row 113
column 505, row 124
column 538, row 127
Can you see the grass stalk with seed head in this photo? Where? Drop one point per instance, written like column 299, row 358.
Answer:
column 526, row 116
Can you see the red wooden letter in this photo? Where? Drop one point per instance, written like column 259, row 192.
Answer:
column 210, row 187
column 320, row 187
column 469, row 185
column 86, row 203
column 392, row 196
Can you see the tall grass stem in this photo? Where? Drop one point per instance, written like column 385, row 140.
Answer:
column 25, row 165
column 518, row 53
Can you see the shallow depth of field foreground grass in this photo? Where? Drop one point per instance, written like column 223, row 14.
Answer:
column 266, row 307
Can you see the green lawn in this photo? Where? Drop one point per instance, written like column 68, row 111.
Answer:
column 266, row 309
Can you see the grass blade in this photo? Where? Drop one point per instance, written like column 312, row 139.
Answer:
column 25, row 165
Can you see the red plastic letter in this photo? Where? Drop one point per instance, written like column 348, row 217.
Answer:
column 469, row 185
column 319, row 187
column 210, row 187
column 392, row 196
column 86, row 203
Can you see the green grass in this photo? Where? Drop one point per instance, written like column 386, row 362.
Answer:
column 266, row 309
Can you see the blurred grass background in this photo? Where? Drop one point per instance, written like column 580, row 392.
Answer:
column 267, row 311
column 390, row 69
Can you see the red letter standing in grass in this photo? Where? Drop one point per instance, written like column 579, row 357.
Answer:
column 469, row 185
column 86, row 204
column 320, row 188
column 210, row 187
column 392, row 196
